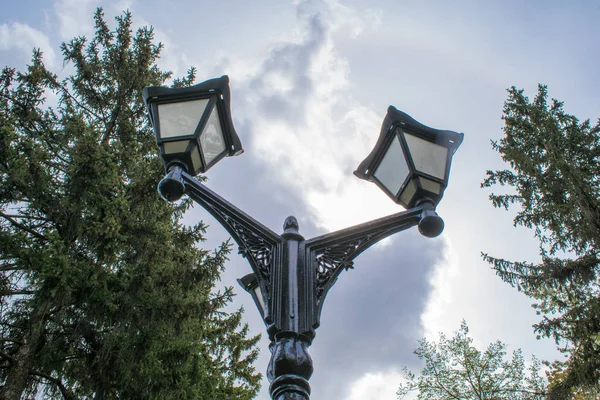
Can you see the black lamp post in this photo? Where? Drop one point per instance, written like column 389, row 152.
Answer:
column 292, row 276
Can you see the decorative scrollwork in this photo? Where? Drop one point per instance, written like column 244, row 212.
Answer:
column 257, row 243
column 334, row 252
column 333, row 259
column 254, row 248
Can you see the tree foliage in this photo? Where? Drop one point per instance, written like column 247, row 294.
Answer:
column 554, row 179
column 455, row 369
column 104, row 293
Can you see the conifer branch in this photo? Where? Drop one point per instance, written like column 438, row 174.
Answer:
column 16, row 292
column 7, row 357
column 23, row 227
column 67, row 394
column 12, row 340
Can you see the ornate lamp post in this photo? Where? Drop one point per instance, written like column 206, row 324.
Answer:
column 291, row 275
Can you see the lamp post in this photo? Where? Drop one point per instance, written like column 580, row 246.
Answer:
column 291, row 275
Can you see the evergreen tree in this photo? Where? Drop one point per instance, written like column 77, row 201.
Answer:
column 455, row 369
column 554, row 178
column 104, row 294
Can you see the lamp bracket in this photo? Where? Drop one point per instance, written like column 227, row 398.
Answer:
column 335, row 252
column 258, row 244
column 332, row 260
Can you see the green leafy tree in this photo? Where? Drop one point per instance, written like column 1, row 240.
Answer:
column 455, row 369
column 104, row 294
column 554, row 181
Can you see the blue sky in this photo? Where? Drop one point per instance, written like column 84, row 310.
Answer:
column 311, row 82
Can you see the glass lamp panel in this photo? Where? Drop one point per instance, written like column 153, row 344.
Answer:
column 211, row 138
column 259, row 297
column 196, row 160
column 408, row 192
column 393, row 169
column 427, row 156
column 180, row 119
column 179, row 146
column 431, row 186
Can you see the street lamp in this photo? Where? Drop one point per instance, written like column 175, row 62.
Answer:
column 291, row 276
column 411, row 163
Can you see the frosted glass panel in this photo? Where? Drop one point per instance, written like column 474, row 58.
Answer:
column 433, row 187
column 177, row 119
column 211, row 139
column 175, row 147
column 428, row 157
column 393, row 169
column 196, row 161
column 259, row 297
column 408, row 193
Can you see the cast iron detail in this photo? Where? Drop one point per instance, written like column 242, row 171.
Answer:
column 257, row 243
column 294, row 274
column 258, row 250
column 290, row 367
column 335, row 252
column 332, row 260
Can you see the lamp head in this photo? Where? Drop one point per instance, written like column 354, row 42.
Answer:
column 410, row 161
column 193, row 125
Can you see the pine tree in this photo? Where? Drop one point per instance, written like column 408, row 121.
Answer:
column 104, row 293
column 554, row 178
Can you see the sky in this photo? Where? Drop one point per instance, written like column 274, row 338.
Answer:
column 311, row 82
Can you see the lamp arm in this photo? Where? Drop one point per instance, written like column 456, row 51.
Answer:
column 262, row 247
column 328, row 255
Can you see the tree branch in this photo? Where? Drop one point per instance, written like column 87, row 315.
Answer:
column 113, row 120
column 9, row 267
column 27, row 217
column 7, row 356
column 74, row 99
column 15, row 292
column 23, row 227
column 13, row 340
column 67, row 394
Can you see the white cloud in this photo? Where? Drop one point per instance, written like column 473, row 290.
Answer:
column 25, row 38
column 299, row 103
column 376, row 386
column 74, row 18
column 352, row 21
column 441, row 295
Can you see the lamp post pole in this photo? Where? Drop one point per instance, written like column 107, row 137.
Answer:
column 294, row 275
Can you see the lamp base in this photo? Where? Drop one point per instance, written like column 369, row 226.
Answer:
column 172, row 188
column 431, row 224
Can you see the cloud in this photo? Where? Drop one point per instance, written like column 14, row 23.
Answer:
column 298, row 109
column 441, row 298
column 371, row 318
column 376, row 386
column 25, row 38
column 74, row 18
column 351, row 21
